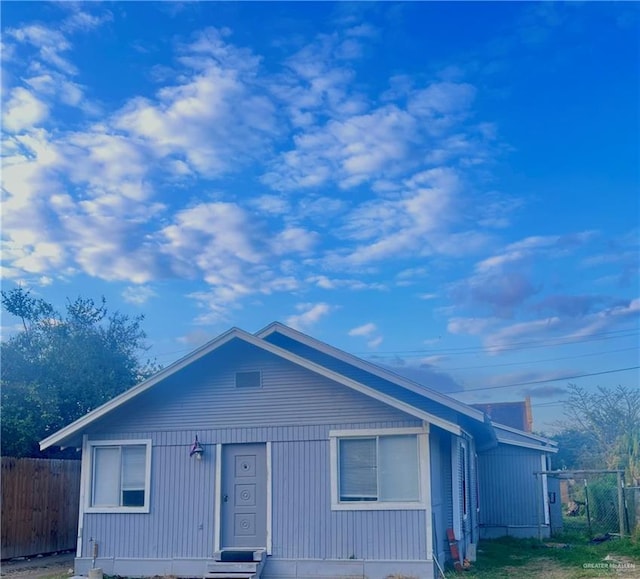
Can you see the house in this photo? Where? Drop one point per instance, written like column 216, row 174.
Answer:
column 275, row 453
column 515, row 414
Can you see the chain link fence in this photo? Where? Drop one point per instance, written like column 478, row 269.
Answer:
column 594, row 504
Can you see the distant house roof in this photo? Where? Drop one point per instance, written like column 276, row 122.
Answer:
column 513, row 414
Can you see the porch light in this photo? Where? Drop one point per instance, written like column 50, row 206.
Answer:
column 197, row 449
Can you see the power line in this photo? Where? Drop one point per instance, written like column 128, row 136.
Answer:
column 529, row 362
column 566, row 340
column 545, row 381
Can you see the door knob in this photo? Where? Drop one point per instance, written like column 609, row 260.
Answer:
column 225, row 498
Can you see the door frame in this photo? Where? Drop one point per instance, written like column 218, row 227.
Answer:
column 217, row 528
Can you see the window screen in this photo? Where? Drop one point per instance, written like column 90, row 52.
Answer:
column 358, row 469
column 383, row 468
column 119, row 476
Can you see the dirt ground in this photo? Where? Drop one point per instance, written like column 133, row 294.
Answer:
column 59, row 565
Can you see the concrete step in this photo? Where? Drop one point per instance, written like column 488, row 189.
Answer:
column 232, row 567
column 236, row 564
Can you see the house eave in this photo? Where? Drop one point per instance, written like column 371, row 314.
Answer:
column 497, row 426
column 510, row 442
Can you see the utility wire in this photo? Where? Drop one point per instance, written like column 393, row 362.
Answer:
column 512, row 346
column 472, row 349
column 545, row 381
column 529, row 362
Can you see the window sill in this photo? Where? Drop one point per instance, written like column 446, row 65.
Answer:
column 117, row 510
column 375, row 506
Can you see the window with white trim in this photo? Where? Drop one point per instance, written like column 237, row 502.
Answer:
column 120, row 476
column 376, row 470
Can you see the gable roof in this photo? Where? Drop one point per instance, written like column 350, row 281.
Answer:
column 237, row 334
column 455, row 405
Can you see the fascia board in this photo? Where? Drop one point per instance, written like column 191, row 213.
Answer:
column 499, row 426
column 527, row 445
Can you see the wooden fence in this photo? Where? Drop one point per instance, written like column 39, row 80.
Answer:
column 39, row 505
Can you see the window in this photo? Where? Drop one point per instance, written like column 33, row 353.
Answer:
column 120, row 474
column 376, row 470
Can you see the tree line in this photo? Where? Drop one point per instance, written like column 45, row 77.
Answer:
column 61, row 365
column 601, row 431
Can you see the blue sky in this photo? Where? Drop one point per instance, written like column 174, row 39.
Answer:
column 450, row 189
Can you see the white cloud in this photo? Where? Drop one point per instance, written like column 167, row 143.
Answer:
column 207, row 234
column 433, row 360
column 215, row 116
column 138, row 295
column 427, row 296
column 473, row 326
column 294, row 240
column 49, row 43
column 413, row 224
column 368, row 331
column 351, row 151
column 552, row 330
column 364, row 330
column 309, row 315
column 324, row 282
column 84, row 21
column 23, row 111
column 271, row 204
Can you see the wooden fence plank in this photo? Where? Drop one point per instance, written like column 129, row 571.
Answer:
column 39, row 505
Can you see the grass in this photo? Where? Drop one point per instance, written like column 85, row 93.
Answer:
column 555, row 559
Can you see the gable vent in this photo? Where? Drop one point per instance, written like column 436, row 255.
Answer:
column 248, row 379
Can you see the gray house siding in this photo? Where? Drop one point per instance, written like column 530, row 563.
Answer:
column 511, row 501
column 180, row 522
column 308, row 529
column 181, row 519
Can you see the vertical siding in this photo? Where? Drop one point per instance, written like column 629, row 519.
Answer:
column 305, row 527
column 508, row 490
column 180, row 523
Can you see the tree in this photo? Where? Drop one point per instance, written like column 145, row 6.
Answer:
column 605, row 428
column 58, row 368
